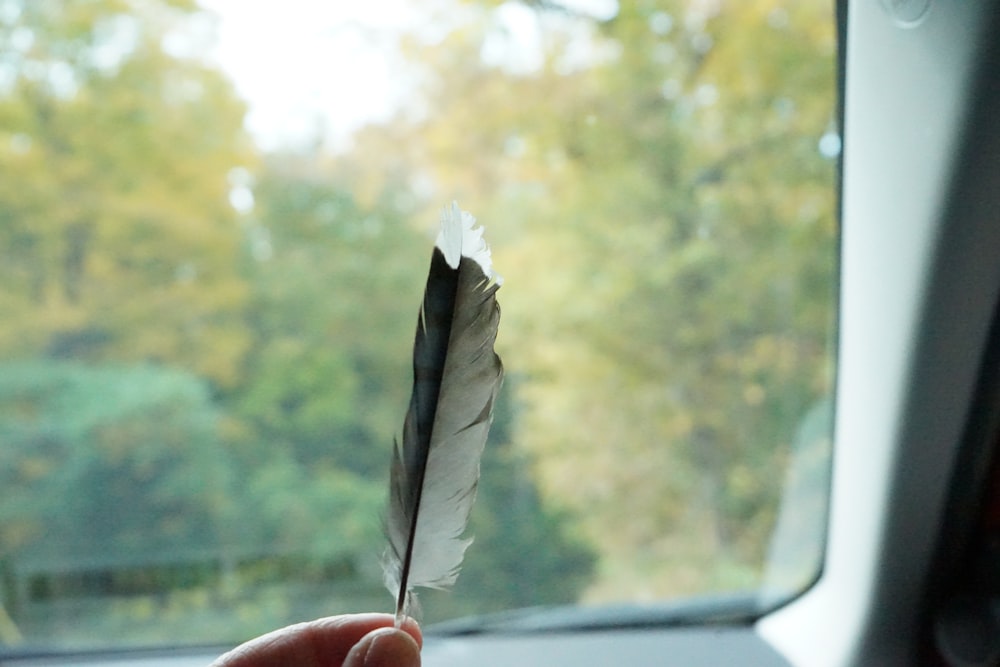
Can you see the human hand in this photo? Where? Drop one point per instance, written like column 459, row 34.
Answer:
column 350, row 640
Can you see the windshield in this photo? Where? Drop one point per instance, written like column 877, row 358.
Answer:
column 215, row 225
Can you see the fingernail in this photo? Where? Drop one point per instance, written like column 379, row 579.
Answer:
column 386, row 647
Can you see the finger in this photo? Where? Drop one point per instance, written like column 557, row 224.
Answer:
column 321, row 643
column 387, row 647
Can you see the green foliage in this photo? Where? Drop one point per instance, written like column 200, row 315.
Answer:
column 331, row 310
column 205, row 397
column 110, row 464
column 333, row 347
column 117, row 483
column 666, row 222
column 119, row 237
column 525, row 553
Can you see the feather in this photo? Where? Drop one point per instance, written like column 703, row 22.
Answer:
column 456, row 377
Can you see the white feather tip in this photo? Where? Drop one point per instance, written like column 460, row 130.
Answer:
column 460, row 237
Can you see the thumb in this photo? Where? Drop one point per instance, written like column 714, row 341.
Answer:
column 386, row 647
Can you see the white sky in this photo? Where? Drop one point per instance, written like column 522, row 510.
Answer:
column 304, row 65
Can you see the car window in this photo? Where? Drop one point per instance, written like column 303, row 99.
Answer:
column 215, row 223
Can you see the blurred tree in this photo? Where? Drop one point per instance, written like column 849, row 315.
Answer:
column 334, row 290
column 655, row 194
column 118, row 486
column 108, row 467
column 526, row 553
column 117, row 235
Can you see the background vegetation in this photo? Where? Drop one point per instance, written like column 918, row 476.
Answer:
column 204, row 347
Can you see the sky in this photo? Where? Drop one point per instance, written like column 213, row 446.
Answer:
column 308, row 64
column 333, row 65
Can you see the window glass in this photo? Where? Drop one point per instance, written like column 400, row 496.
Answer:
column 215, row 225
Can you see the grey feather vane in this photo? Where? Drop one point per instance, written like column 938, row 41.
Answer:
column 456, row 377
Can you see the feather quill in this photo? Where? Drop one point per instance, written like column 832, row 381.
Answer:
column 456, row 377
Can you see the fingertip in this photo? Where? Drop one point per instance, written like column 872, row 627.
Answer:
column 387, row 647
column 412, row 628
